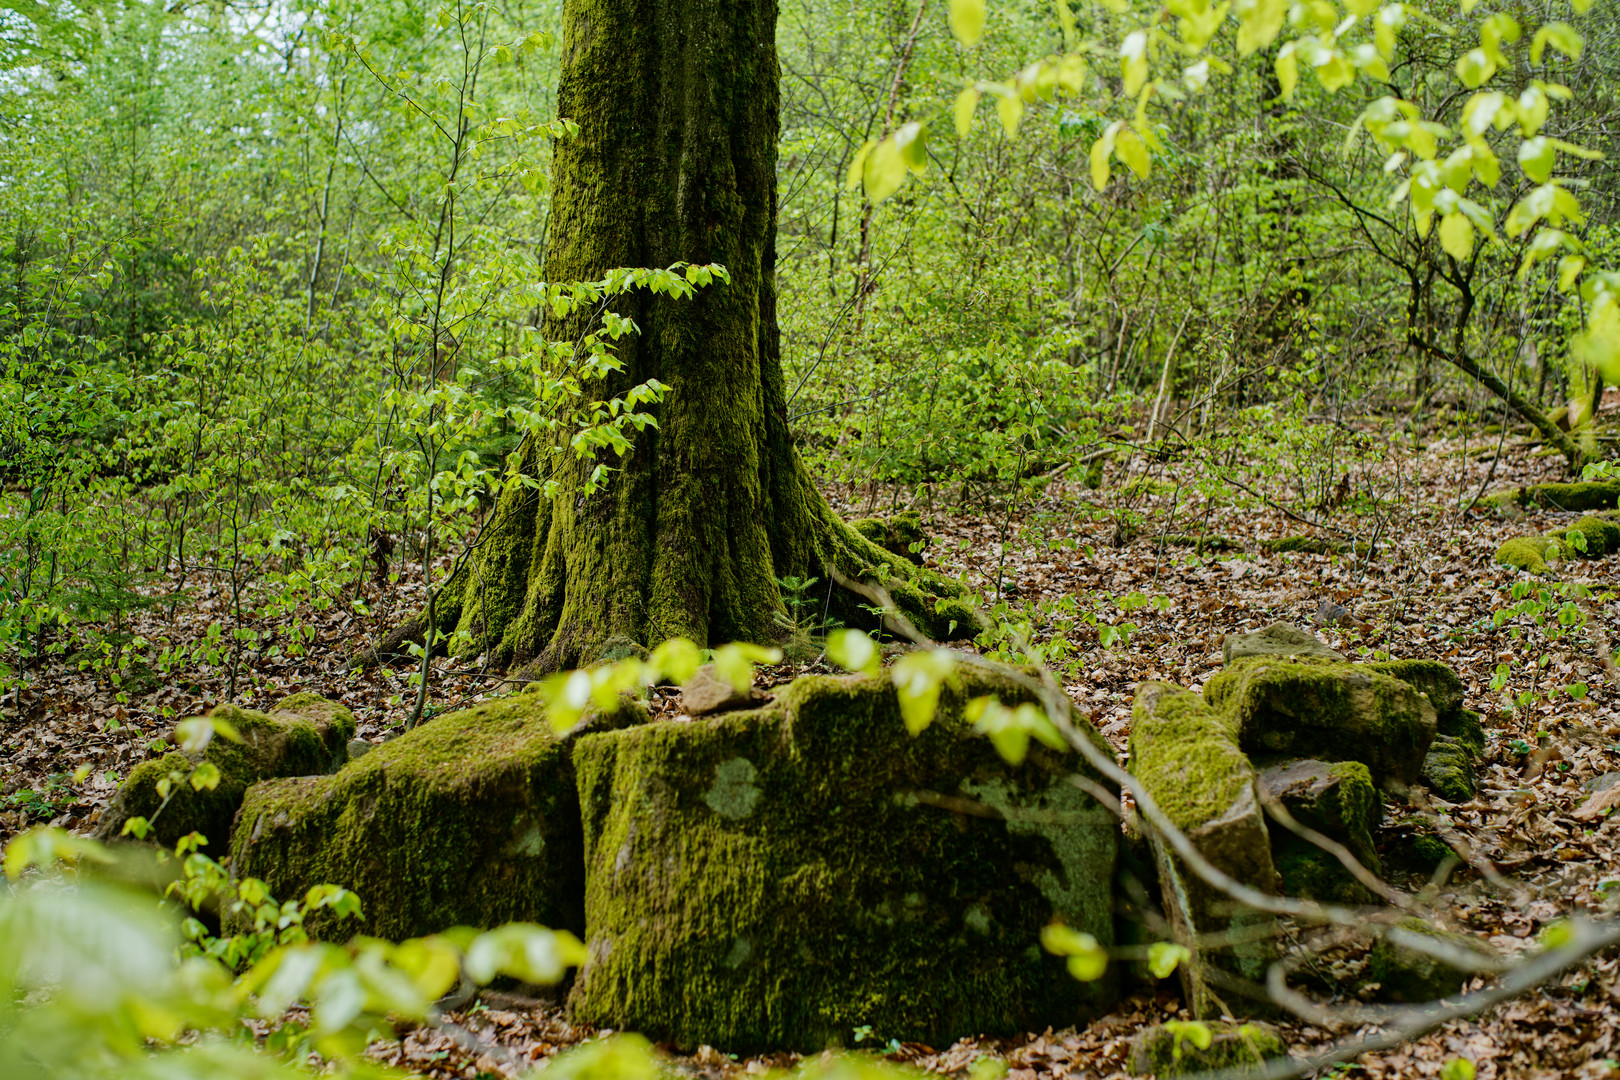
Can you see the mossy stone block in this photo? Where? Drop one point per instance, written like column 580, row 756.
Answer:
column 1443, row 686
column 1580, row 496
column 1166, row 1050
column 1527, row 553
column 1448, row 770
column 776, row 878
column 1308, row 872
column 1407, row 973
column 1310, row 545
column 470, row 819
column 1327, row 710
column 1187, row 757
column 301, row 735
column 1467, row 727
column 1337, row 799
column 1278, row 639
column 1590, row 537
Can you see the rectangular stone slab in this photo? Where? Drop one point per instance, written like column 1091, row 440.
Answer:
column 777, row 878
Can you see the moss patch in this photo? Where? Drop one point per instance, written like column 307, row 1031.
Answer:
column 1187, row 757
column 1590, row 537
column 1165, row 1051
column 896, row 534
column 1406, row 974
column 300, row 735
column 1310, row 873
column 1585, row 495
column 1310, row 545
column 1448, row 770
column 1328, row 710
column 1336, row 799
column 778, row 877
column 471, row 819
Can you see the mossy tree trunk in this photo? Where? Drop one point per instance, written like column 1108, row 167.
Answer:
column 677, row 103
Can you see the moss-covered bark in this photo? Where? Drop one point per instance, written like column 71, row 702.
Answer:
column 677, row 105
column 778, row 877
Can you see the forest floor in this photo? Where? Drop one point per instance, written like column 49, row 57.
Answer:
column 1429, row 590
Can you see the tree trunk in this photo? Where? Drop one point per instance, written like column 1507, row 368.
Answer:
column 677, row 103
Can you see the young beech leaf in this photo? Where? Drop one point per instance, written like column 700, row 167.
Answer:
column 966, row 102
column 1086, row 959
column 853, row 651
column 1165, row 956
column 967, row 21
column 917, row 677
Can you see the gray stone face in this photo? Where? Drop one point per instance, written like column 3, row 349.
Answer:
column 1448, row 770
column 778, row 877
column 1336, row 799
column 1278, row 639
column 706, row 693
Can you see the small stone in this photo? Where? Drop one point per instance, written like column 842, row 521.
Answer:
column 1336, row 799
column 706, row 693
column 1448, row 769
column 358, row 748
column 1167, row 1050
column 1278, row 639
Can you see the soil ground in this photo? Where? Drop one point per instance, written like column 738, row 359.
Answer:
column 1429, row 589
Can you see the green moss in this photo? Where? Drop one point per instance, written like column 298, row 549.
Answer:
column 1187, row 758
column 778, row 877
column 1525, row 553
column 1581, row 496
column 1467, row 727
column 1201, row 542
column 1325, row 709
column 469, row 819
column 1310, row 873
column 302, row 735
column 1427, row 852
column 896, row 534
column 1448, row 770
column 1590, row 537
column 1406, row 974
column 1165, row 1051
column 1311, row 545
column 1337, row 799
column 1442, row 685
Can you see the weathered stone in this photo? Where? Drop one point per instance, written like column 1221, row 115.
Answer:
column 1308, row 872
column 1467, row 727
column 1448, row 770
column 470, row 819
column 1337, row 799
column 1407, row 974
column 896, row 534
column 1278, row 639
column 1590, row 537
column 775, row 878
column 1580, row 496
column 705, row 693
column 300, row 735
column 1167, row 1050
column 1528, row 553
column 1188, row 759
column 358, row 748
column 1310, row 545
column 1332, row 711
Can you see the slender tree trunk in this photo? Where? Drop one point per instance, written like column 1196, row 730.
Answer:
column 677, row 103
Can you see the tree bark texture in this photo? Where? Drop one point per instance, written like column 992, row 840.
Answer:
column 677, row 103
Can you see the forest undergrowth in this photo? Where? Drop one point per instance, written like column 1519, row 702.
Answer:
column 1112, row 588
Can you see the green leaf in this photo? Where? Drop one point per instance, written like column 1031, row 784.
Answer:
column 205, row 775
column 1457, row 1068
column 967, row 21
column 1475, row 67
column 1537, row 157
column 1533, row 108
column 1259, row 22
column 912, row 139
column 1131, row 151
column 1598, row 346
column 966, row 102
column 1087, row 960
column 1133, row 61
column 735, row 662
column 1010, row 108
column 885, row 170
column 1456, row 235
column 857, row 167
column 1287, row 70
column 1165, row 956
column 676, row 660
column 917, row 677
column 1560, row 36
column 1101, row 151
column 853, row 651
column 44, row 846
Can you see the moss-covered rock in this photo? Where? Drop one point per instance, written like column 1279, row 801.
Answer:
column 896, row 534
column 1308, row 872
column 300, row 735
column 470, row 819
column 1278, row 639
column 1200, row 542
column 1167, row 1050
column 1580, row 496
column 1310, row 545
column 1327, row 710
column 1448, row 770
column 1526, row 553
column 1590, row 537
column 779, row 877
column 1187, row 757
column 1336, row 798
column 1408, row 974
column 1467, row 727
column 1439, row 682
